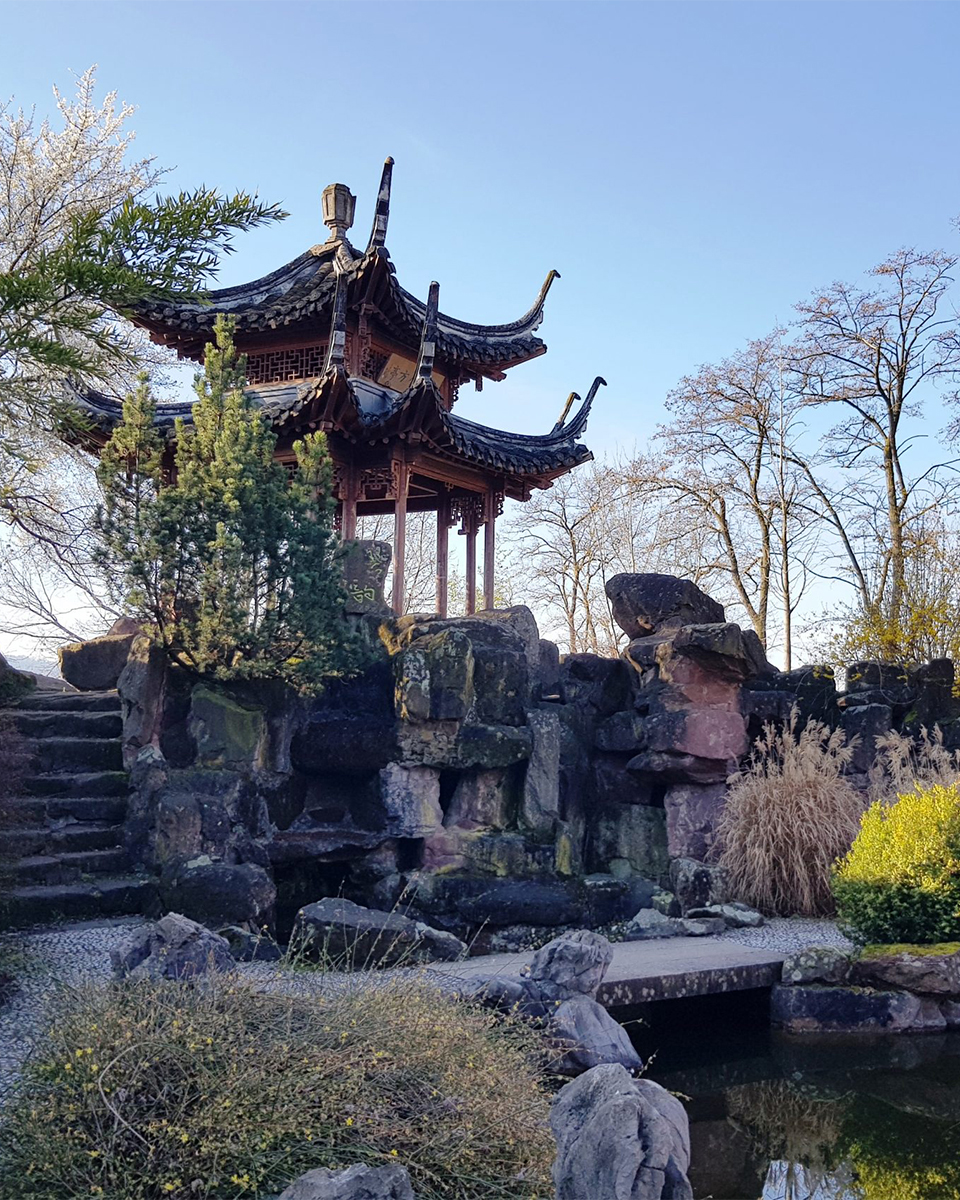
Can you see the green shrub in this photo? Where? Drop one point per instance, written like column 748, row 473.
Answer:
column 900, row 881
column 154, row 1091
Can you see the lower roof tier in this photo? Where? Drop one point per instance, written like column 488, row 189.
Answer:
column 363, row 413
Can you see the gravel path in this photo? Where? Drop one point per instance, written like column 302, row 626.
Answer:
column 75, row 954
column 789, row 934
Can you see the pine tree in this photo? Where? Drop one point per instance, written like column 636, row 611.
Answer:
column 231, row 559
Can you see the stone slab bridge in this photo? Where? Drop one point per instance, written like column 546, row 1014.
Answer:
column 666, row 969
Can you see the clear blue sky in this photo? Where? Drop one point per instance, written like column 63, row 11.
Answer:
column 692, row 170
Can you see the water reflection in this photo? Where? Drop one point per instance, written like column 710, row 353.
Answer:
column 825, row 1119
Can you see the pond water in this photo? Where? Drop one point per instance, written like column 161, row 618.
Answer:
column 775, row 1118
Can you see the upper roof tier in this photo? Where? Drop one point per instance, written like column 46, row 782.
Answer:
column 298, row 298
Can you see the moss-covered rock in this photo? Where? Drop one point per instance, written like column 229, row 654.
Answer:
column 226, row 733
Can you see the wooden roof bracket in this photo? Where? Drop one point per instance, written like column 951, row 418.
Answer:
column 428, row 336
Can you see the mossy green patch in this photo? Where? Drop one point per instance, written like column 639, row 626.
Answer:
column 877, row 950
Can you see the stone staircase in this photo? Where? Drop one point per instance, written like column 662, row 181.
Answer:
column 64, row 837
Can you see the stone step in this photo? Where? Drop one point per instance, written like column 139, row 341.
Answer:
column 70, row 702
column 120, row 896
column 53, row 754
column 69, row 724
column 26, row 811
column 23, row 841
column 78, row 783
column 69, row 867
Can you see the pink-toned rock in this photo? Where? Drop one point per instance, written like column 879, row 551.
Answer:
column 693, row 815
column 443, row 851
column 480, row 801
column 710, row 733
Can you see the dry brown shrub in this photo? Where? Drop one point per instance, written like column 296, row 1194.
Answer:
column 789, row 816
column 903, row 762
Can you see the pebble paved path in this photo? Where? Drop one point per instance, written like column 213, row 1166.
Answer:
column 74, row 954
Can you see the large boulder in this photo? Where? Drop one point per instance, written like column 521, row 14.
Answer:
column 358, row 1182
column 930, row 970
column 95, row 665
column 575, row 963
column 600, row 685
column 540, row 808
column 473, row 900
column 723, row 649
column 356, row 937
column 141, row 687
column 629, row 839
column 619, row 1139
column 219, row 893
column 653, row 603
column 173, row 948
column 585, row 1035
column 867, row 723
column 695, row 745
column 225, row 732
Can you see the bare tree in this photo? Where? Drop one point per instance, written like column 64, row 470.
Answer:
column 725, row 462
column 871, row 357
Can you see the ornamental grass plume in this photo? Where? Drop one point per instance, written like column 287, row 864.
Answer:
column 789, row 816
column 149, row 1091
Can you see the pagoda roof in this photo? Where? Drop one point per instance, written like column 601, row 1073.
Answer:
column 361, row 411
column 302, row 292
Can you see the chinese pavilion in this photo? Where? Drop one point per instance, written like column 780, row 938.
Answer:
column 334, row 343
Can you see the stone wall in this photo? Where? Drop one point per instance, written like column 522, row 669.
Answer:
column 471, row 773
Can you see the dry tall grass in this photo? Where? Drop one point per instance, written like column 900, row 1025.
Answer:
column 164, row 1091
column 789, row 816
column 904, row 762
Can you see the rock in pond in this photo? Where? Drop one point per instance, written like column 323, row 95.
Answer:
column 358, row 1182
column 173, row 948
column 619, row 1139
column 352, row 936
column 817, row 1009
column 588, row 1036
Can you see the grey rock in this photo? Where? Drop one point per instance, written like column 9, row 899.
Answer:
column 816, row 964
column 734, row 916
column 541, row 784
column 574, row 963
column 666, row 903
column 927, row 972
column 703, row 927
column 867, row 723
column 587, row 1036
column 549, row 668
column 693, row 818
column 95, row 665
column 355, row 937
column 365, row 567
column 630, row 839
column 173, row 948
column 411, row 798
column 219, row 893
column 650, row 924
column 600, row 685
column 14, row 683
column 652, row 603
column 250, row 947
column 481, row 800
column 817, row 1009
column 358, row 1182
column 723, row 649
column 697, row 884
column 617, row 1140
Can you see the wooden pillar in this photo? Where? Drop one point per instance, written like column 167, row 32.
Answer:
column 348, row 520
column 443, row 554
column 470, row 531
column 490, row 506
column 401, row 483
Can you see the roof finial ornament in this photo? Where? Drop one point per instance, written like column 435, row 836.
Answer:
column 339, row 205
column 428, row 338
column 378, row 234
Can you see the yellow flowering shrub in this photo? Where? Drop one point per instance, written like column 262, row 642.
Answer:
column 900, row 880
column 149, row 1091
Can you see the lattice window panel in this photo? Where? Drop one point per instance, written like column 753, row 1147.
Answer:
column 279, row 366
column 373, row 364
